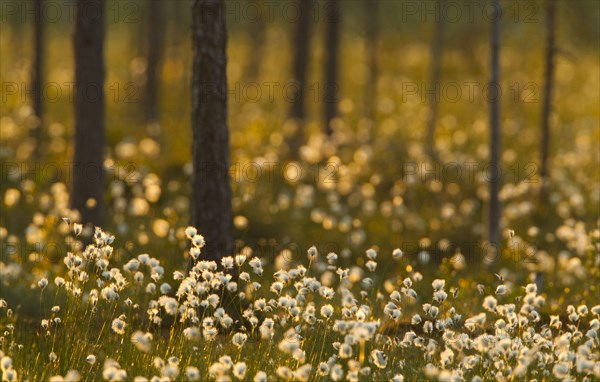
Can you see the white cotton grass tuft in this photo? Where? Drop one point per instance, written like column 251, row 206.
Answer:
column 239, row 370
column 327, row 311
column 371, row 254
column 379, row 358
column 501, row 290
column 118, row 326
column 190, row 232
column 198, row 241
column 239, row 339
column 438, row 284
column 312, row 253
column 192, row 373
column 303, row 373
column 43, row 283
column 6, row 363
column 142, row 341
column 397, row 254
column 490, row 303
column 260, row 376
column 9, row 375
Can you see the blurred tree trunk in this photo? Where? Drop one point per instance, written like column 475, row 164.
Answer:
column 154, row 43
column 494, row 99
column 37, row 80
column 257, row 31
column 302, row 41
column 134, row 13
column 88, row 172
column 175, row 27
column 547, row 102
column 211, row 191
column 434, row 80
column 332, row 16
column 372, row 31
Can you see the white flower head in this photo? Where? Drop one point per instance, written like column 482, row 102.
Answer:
column 118, row 326
column 371, row 254
column 192, row 373
column 261, row 376
column 438, row 284
column 227, row 262
column 327, row 311
column 5, row 363
column 239, row 339
column 501, row 290
column 312, row 253
column 379, row 358
column 142, row 341
column 198, row 241
column 190, row 232
column 490, row 303
column 43, row 283
column 77, row 229
column 239, row 370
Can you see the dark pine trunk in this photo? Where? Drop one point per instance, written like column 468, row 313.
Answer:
column 547, row 102
column 372, row 31
column 88, row 173
column 332, row 42
column 546, row 111
column 257, row 30
column 494, row 172
column 302, row 43
column 211, row 192
column 434, row 79
column 155, row 33
column 37, row 76
column 302, row 40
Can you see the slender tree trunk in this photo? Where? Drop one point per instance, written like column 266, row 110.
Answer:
column 257, row 30
column 434, row 80
column 302, row 40
column 211, row 191
column 547, row 102
column 88, row 173
column 372, row 31
column 494, row 172
column 139, row 29
column 175, row 29
column 300, row 72
column 37, row 76
column 155, row 35
column 332, row 42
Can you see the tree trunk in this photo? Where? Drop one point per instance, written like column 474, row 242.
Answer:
column 139, row 29
column 302, row 40
column 371, row 11
column 494, row 172
column 302, row 43
column 547, row 102
column 332, row 41
column 257, row 30
column 174, row 24
column 211, row 192
column 37, row 76
column 88, row 173
column 155, row 35
column 434, row 80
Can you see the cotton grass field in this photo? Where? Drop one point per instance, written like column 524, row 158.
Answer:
column 357, row 257
column 311, row 319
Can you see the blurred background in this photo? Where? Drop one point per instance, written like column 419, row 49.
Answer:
column 404, row 167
